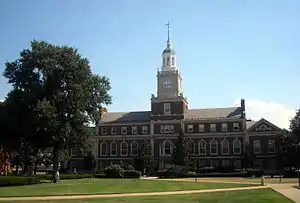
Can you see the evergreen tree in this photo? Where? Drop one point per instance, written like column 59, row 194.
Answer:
column 179, row 153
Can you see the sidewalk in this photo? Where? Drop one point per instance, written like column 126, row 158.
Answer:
column 287, row 190
column 127, row 194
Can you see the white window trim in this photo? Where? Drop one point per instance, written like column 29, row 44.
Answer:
column 224, row 127
column 172, row 128
column 171, row 148
column 162, row 129
column 124, row 132
column 103, row 131
column 193, row 146
column 100, row 148
column 190, row 128
column 110, row 147
column 199, row 147
column 217, row 145
column 222, row 147
column 113, row 130
column 137, row 148
column 121, row 148
column 274, row 147
column 256, row 141
column 236, row 127
column 134, row 130
column 233, row 146
column 201, row 128
column 73, row 151
column 212, row 127
column 145, row 129
column 167, row 106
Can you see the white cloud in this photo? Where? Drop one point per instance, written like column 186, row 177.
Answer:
column 276, row 113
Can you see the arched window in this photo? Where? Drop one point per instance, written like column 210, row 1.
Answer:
column 134, row 148
column 213, row 147
column 173, row 61
column 202, row 147
column 237, row 146
column 102, row 149
column 113, row 149
column 225, row 146
column 191, row 147
column 168, row 61
column 167, row 147
column 124, row 148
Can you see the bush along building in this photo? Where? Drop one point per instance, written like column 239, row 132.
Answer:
column 213, row 136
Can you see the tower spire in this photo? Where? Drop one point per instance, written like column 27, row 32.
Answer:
column 169, row 41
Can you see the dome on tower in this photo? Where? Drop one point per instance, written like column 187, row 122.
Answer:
column 169, row 50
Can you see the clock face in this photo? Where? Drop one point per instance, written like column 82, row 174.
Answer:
column 167, row 84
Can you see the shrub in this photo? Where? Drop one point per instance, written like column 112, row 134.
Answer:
column 174, row 172
column 18, row 180
column 226, row 169
column 206, row 169
column 114, row 171
column 254, row 172
column 132, row 174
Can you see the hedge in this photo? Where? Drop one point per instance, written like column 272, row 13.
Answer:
column 70, row 176
column 132, row 174
column 18, row 180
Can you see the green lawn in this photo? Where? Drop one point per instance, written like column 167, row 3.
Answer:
column 106, row 186
column 249, row 196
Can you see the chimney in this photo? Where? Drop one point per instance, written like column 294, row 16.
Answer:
column 243, row 109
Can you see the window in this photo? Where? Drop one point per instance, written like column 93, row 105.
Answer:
column 124, row 130
column 236, row 127
column 134, row 148
column 191, row 147
column 167, row 108
column 213, row 147
column 168, row 61
column 237, row 147
column 167, row 148
column 203, row 162
column 214, row 163
column 162, row 129
column 256, row 147
column 237, row 163
column 201, row 128
column 103, row 149
column 224, row 127
column 172, row 128
column 73, row 151
column 103, row 131
column 164, row 61
column 212, row 127
column 271, row 146
column 173, row 61
column 202, row 147
column 225, row 162
column 113, row 130
column 190, row 128
column 134, row 130
column 113, row 149
column 257, row 163
column 145, row 129
column 124, row 148
column 167, row 129
column 225, row 147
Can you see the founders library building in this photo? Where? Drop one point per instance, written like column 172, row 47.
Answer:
column 213, row 136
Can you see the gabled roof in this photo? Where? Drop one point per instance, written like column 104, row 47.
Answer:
column 263, row 121
column 145, row 116
column 125, row 117
column 229, row 112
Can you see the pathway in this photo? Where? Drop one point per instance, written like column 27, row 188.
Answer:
column 127, row 194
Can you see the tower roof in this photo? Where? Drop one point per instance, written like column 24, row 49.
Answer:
column 169, row 48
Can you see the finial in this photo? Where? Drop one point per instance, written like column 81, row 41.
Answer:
column 168, row 42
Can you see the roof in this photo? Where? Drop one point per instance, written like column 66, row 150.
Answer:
column 144, row 116
column 169, row 50
column 250, row 123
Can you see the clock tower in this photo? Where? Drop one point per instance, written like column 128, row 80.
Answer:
column 169, row 100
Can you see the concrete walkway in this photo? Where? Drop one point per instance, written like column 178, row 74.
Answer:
column 287, row 190
column 127, row 194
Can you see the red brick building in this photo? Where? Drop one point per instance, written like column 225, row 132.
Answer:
column 216, row 136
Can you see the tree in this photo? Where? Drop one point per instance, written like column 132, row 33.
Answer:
column 144, row 161
column 60, row 95
column 248, row 159
column 179, row 153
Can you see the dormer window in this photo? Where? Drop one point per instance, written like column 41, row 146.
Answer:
column 124, row 130
column 224, row 127
column 113, row 130
column 213, row 127
column 236, row 127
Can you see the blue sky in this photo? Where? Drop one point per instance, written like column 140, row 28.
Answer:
column 226, row 50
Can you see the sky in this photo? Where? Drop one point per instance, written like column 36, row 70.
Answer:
column 226, row 50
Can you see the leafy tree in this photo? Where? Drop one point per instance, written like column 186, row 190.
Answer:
column 144, row 161
column 179, row 153
column 59, row 95
column 248, row 159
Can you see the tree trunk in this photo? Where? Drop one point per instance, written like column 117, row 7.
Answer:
column 55, row 164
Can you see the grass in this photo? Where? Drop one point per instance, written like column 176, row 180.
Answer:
column 249, row 196
column 107, row 186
